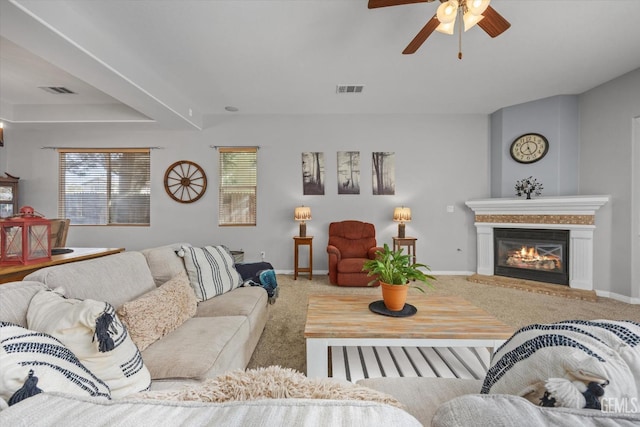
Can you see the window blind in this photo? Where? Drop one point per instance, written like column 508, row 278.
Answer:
column 238, row 175
column 104, row 186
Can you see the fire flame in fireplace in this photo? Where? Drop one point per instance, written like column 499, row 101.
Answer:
column 528, row 257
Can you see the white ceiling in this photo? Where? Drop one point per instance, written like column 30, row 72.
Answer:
column 157, row 61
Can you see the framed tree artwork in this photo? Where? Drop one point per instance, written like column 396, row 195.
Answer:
column 313, row 174
column 348, row 172
column 384, row 173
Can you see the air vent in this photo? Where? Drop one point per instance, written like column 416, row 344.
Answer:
column 57, row 90
column 349, row 88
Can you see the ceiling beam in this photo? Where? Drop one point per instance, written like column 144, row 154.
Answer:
column 57, row 34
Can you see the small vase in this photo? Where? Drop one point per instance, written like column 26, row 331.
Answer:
column 394, row 296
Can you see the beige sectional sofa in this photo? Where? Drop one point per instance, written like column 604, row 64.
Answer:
column 219, row 338
column 454, row 402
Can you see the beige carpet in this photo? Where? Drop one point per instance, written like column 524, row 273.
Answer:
column 282, row 342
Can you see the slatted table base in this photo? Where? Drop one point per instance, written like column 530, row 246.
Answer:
column 355, row 363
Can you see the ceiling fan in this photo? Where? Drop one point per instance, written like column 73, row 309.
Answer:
column 470, row 12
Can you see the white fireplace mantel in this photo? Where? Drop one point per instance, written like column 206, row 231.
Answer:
column 573, row 213
column 561, row 205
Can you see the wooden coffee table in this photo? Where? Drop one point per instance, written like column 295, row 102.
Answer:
column 441, row 321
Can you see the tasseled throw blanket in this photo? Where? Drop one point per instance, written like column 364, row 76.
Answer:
column 259, row 274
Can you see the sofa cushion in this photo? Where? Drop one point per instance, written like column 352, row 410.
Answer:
column 24, row 352
column 422, row 396
column 505, row 410
column 96, row 336
column 241, row 302
column 14, row 300
column 201, row 348
column 115, row 279
column 164, row 262
column 58, row 410
column 211, row 271
column 156, row 313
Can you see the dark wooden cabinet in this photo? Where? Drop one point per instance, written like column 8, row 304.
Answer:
column 8, row 197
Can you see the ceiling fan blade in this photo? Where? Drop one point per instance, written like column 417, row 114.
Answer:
column 384, row 3
column 423, row 35
column 493, row 23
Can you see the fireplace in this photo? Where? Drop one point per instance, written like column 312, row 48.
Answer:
column 534, row 254
column 573, row 214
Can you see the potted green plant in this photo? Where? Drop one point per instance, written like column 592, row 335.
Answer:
column 395, row 271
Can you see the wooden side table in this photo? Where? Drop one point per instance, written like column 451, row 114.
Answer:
column 301, row 241
column 409, row 242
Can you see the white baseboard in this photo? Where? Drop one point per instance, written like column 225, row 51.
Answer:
column 433, row 273
column 618, row 297
column 315, row 272
column 452, row 273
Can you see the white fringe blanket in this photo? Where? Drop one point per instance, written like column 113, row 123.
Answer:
column 273, row 382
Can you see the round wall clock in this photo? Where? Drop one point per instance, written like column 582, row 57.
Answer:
column 185, row 181
column 529, row 148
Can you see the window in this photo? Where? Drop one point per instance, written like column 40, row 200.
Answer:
column 104, row 186
column 238, row 186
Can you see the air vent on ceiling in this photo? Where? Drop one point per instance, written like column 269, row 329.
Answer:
column 57, row 90
column 349, row 88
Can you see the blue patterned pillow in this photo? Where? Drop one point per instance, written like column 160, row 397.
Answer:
column 34, row 362
column 555, row 364
column 95, row 334
column 211, row 270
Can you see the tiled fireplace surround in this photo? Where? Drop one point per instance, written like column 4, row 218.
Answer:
column 573, row 213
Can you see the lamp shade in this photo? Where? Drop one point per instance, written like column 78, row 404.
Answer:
column 302, row 213
column 402, row 214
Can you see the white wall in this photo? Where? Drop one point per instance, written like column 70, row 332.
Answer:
column 440, row 161
column 609, row 165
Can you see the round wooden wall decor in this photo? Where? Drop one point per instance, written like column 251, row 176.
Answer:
column 185, row 181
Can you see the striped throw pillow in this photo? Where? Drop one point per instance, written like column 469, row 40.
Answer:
column 34, row 362
column 211, row 270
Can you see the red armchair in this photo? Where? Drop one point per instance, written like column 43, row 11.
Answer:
column 351, row 243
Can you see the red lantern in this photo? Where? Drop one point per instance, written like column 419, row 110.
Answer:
column 24, row 239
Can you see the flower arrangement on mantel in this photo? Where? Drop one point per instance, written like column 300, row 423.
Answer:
column 528, row 186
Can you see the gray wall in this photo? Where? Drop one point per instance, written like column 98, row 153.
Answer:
column 557, row 119
column 436, row 166
column 610, row 164
column 440, row 161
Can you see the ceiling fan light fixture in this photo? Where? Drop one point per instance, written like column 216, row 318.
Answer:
column 447, row 12
column 470, row 20
column 447, row 28
column 468, row 12
column 477, row 7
